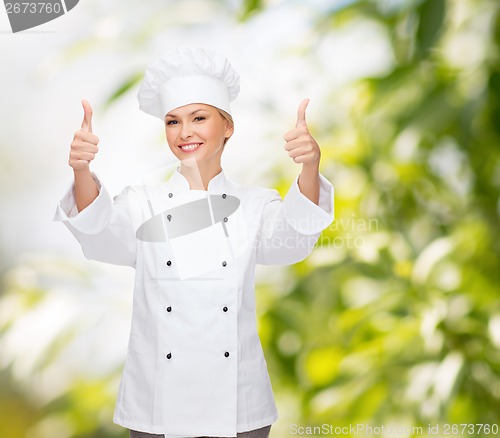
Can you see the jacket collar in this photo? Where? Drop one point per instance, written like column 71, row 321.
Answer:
column 178, row 182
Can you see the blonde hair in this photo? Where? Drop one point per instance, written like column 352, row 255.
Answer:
column 229, row 119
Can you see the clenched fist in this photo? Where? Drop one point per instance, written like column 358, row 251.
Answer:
column 84, row 144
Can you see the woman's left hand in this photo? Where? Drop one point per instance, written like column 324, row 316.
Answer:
column 300, row 144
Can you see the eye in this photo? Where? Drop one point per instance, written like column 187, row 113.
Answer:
column 171, row 122
column 199, row 118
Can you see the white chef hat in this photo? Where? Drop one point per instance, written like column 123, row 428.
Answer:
column 188, row 75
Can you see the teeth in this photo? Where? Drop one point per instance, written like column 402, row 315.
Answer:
column 190, row 147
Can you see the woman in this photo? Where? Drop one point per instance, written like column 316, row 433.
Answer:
column 195, row 365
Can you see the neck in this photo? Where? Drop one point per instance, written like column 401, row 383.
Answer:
column 199, row 175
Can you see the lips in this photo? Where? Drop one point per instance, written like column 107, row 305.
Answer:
column 190, row 147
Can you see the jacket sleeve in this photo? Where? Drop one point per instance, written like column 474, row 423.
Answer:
column 291, row 227
column 104, row 228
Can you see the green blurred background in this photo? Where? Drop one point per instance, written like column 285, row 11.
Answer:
column 393, row 320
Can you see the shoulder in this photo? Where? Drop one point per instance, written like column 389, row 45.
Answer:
column 134, row 193
column 256, row 194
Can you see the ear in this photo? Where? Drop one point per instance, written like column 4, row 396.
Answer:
column 229, row 129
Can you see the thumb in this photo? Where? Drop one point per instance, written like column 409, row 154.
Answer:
column 87, row 117
column 301, row 114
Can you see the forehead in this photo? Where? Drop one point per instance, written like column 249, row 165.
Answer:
column 190, row 109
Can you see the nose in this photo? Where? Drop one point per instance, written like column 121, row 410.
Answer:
column 186, row 131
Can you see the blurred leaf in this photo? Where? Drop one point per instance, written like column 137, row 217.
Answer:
column 249, row 8
column 431, row 16
column 130, row 82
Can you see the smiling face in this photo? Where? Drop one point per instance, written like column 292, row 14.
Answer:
column 197, row 131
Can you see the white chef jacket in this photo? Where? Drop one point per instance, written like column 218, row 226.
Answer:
column 195, row 365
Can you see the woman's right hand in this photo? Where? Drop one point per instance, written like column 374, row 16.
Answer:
column 84, row 144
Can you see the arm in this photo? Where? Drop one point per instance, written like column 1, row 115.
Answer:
column 82, row 152
column 291, row 227
column 309, row 182
column 105, row 228
column 85, row 188
column 303, row 148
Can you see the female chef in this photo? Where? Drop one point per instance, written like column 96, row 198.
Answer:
column 195, row 366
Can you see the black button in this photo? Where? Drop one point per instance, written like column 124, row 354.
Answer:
column 225, row 219
column 224, row 308
column 169, row 356
column 170, row 195
column 224, row 263
column 169, row 309
column 224, row 196
column 169, row 217
column 169, row 263
column 226, row 354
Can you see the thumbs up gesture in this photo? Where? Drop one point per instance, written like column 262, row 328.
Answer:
column 84, row 144
column 300, row 144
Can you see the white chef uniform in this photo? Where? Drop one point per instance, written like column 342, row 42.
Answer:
column 195, row 365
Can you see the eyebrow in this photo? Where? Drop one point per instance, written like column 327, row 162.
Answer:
column 190, row 114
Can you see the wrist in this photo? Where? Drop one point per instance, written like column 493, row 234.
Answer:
column 311, row 167
column 83, row 171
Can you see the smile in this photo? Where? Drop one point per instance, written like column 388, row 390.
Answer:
column 190, row 147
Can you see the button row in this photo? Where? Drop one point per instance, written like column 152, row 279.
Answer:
column 171, row 194
column 169, row 217
column 169, row 309
column 169, row 355
column 169, row 263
